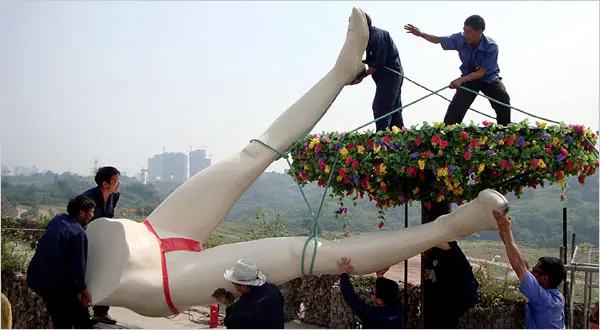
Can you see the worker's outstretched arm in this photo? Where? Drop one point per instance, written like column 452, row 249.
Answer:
column 517, row 261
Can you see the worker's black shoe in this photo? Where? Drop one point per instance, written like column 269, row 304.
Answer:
column 105, row 319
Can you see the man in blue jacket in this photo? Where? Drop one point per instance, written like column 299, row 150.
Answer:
column 57, row 270
column 450, row 286
column 387, row 314
column 479, row 70
column 106, row 196
column 261, row 303
column 381, row 53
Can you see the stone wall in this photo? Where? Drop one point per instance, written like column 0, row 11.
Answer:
column 28, row 308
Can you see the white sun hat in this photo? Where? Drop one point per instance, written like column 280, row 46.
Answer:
column 244, row 272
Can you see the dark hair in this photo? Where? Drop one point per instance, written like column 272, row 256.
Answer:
column 105, row 174
column 78, row 204
column 554, row 269
column 387, row 290
column 368, row 19
column 476, row 22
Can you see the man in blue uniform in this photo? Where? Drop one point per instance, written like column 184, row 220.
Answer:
column 106, row 196
column 381, row 53
column 261, row 303
column 450, row 286
column 387, row 314
column 479, row 70
column 57, row 270
column 546, row 305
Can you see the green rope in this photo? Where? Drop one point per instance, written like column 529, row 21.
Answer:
column 315, row 217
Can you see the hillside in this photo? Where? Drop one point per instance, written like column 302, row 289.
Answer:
column 537, row 215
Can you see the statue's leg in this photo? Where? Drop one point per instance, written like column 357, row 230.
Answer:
column 195, row 277
column 199, row 205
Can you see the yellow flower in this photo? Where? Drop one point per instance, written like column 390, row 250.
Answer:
column 360, row 149
column 555, row 141
column 416, row 190
column 376, row 149
column 410, row 201
column 542, row 124
column 421, row 164
column 481, row 167
column 306, row 167
column 456, row 184
column 327, row 169
column 344, row 151
column 458, row 191
column 313, row 142
column 501, row 142
column 440, row 198
column 382, row 169
column 395, row 129
column 338, row 178
column 541, row 164
column 447, row 181
column 562, row 182
column 450, row 188
column 436, row 124
column 483, row 139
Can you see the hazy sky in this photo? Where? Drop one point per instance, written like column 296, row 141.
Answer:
column 119, row 81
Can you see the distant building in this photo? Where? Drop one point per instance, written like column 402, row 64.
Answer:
column 168, row 167
column 198, row 161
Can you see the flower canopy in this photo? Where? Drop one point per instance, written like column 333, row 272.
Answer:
column 441, row 163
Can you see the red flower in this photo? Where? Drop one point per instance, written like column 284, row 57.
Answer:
column 503, row 163
column 560, row 175
column 351, row 146
column 370, row 143
column 473, row 143
column 464, row 135
column 412, row 170
column 318, row 147
column 383, row 186
column 510, row 141
column 321, row 183
column 387, row 139
column 534, row 163
column 355, row 164
column 421, row 176
column 467, row 155
column 346, row 180
column 348, row 160
column 436, row 139
column 570, row 164
column 380, row 225
column 418, row 140
column 564, row 151
column 444, row 144
column 548, row 150
column 428, row 205
column 581, row 179
column 426, row 154
column 486, row 123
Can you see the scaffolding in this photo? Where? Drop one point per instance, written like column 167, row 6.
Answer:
column 583, row 259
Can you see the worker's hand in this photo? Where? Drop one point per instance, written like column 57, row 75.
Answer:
column 413, row 30
column 345, row 266
column 86, row 298
column 381, row 273
column 223, row 296
column 504, row 223
column 456, row 83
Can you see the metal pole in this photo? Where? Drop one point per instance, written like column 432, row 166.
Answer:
column 587, row 311
column 562, row 256
column 571, row 285
column 572, row 244
column 565, row 233
column 585, row 300
column 406, row 273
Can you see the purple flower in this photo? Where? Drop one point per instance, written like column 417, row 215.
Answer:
column 356, row 178
column 545, row 136
column 325, row 138
column 434, row 170
column 568, row 139
column 520, row 141
column 451, row 169
column 560, row 157
column 468, row 148
column 499, row 137
column 471, row 170
column 414, row 155
column 490, row 152
column 337, row 146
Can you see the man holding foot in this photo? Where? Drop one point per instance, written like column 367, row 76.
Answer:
column 381, row 53
column 546, row 306
column 479, row 70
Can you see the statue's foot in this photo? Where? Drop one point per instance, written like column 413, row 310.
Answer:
column 349, row 62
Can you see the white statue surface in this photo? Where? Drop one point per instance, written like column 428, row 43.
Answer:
column 126, row 267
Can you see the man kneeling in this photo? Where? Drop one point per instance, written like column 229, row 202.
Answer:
column 387, row 314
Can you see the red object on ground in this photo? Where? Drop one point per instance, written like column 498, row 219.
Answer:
column 214, row 315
